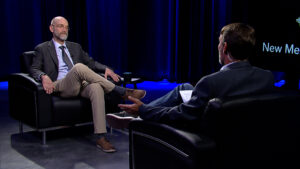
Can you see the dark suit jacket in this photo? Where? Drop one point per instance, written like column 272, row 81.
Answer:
column 46, row 62
column 239, row 78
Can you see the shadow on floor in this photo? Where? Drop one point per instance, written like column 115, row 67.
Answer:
column 71, row 148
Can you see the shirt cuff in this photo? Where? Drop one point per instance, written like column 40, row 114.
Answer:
column 40, row 76
column 142, row 110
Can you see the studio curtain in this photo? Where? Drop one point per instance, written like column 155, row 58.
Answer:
column 154, row 39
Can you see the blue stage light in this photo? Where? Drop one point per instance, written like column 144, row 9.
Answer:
column 4, row 85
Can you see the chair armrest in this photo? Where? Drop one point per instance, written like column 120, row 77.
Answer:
column 26, row 81
column 154, row 141
column 26, row 98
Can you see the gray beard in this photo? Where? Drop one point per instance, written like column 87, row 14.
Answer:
column 63, row 37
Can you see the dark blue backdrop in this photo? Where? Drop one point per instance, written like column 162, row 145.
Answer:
column 154, row 39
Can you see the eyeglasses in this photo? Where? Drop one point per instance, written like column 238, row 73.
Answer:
column 61, row 26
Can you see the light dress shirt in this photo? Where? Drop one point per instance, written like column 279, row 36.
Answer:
column 62, row 66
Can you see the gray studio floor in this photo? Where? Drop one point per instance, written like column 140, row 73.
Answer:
column 72, row 148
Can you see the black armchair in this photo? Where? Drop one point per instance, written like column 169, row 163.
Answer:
column 30, row 105
column 260, row 131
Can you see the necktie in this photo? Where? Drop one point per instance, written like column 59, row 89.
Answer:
column 65, row 57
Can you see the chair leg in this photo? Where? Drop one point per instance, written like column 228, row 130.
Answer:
column 44, row 138
column 111, row 130
column 20, row 127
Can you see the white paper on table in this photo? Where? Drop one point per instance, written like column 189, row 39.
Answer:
column 185, row 95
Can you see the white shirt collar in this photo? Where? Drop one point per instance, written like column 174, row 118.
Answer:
column 57, row 45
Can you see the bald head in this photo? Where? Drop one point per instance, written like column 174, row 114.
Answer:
column 60, row 28
column 57, row 19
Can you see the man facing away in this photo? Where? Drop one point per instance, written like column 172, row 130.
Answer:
column 236, row 77
column 64, row 68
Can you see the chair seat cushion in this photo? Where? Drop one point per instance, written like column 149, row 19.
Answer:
column 71, row 110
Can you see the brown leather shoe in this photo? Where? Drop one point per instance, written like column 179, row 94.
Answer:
column 105, row 145
column 136, row 93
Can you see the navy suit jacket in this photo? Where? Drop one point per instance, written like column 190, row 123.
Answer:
column 46, row 62
column 239, row 78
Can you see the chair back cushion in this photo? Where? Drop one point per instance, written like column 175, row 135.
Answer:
column 26, row 61
column 261, row 130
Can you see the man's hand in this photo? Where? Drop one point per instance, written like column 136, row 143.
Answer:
column 112, row 74
column 47, row 84
column 132, row 108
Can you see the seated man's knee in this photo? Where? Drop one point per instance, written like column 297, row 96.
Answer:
column 79, row 66
column 186, row 86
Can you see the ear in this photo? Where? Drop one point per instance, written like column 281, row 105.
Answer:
column 225, row 47
column 51, row 28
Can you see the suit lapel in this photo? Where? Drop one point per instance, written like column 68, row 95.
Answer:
column 71, row 51
column 52, row 52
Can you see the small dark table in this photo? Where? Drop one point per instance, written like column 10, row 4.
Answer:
column 133, row 81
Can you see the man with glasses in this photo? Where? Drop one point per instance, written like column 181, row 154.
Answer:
column 64, row 68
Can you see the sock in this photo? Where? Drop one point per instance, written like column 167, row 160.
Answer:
column 100, row 135
column 120, row 90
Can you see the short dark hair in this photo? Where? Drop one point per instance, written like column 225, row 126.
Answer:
column 240, row 39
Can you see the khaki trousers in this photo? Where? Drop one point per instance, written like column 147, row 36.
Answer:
column 82, row 80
